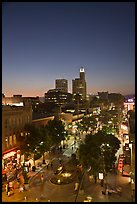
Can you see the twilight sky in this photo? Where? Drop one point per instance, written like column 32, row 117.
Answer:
column 44, row 41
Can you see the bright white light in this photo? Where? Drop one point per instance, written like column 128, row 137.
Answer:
column 16, row 104
column 58, row 180
column 101, row 176
column 81, row 69
column 60, row 168
column 66, row 174
column 132, row 181
column 130, row 100
column 124, row 127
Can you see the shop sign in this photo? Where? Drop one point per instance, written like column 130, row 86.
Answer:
column 10, row 154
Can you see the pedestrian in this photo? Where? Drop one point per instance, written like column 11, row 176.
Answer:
column 60, row 160
column 51, row 164
column 47, row 165
column 76, row 187
column 95, row 179
column 21, row 189
column 11, row 186
column 7, row 188
column 8, row 191
column 79, row 178
column 60, row 149
column 42, row 178
column 102, row 182
column 18, row 178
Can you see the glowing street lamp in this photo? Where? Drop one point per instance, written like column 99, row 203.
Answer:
column 59, row 181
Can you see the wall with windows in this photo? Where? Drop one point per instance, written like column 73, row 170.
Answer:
column 14, row 119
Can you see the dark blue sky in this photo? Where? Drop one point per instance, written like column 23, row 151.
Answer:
column 43, row 41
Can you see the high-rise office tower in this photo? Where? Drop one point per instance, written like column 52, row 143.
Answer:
column 62, row 85
column 79, row 84
column 82, row 74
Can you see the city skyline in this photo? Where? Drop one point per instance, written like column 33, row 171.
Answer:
column 42, row 42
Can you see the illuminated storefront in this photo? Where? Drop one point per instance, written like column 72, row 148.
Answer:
column 11, row 156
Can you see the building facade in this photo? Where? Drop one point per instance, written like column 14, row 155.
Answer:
column 19, row 100
column 62, row 85
column 58, row 97
column 14, row 119
column 79, row 85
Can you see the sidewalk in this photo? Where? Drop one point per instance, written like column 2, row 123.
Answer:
column 20, row 196
column 95, row 190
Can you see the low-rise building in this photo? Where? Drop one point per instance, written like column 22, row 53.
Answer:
column 14, row 119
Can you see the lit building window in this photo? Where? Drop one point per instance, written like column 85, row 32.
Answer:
column 14, row 139
column 10, row 139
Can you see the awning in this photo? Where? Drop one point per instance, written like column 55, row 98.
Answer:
column 9, row 150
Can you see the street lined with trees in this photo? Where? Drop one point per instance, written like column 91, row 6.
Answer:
column 98, row 151
column 40, row 139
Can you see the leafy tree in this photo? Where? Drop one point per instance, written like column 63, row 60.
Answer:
column 86, row 123
column 109, row 129
column 79, row 126
column 98, row 151
column 32, row 139
column 45, row 141
column 104, row 116
column 116, row 98
column 56, row 130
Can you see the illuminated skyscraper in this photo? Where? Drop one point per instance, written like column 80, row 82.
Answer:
column 61, row 85
column 79, row 85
